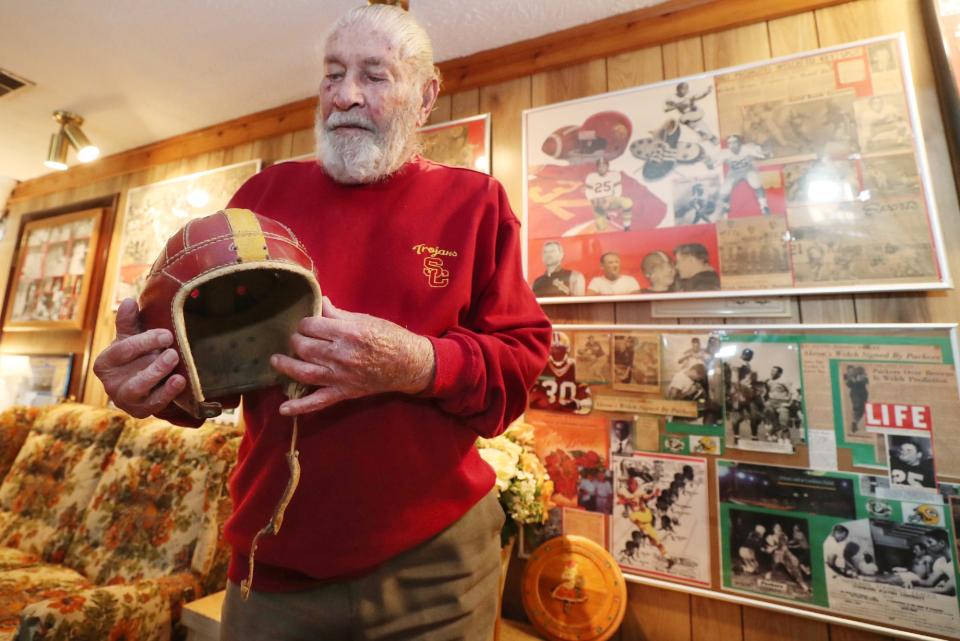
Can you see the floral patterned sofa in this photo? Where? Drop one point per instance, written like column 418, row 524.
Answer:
column 108, row 524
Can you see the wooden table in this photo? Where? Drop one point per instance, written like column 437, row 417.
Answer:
column 202, row 617
column 202, row 620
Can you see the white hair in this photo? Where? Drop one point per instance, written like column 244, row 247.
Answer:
column 413, row 44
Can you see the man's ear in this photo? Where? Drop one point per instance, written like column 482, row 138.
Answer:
column 431, row 89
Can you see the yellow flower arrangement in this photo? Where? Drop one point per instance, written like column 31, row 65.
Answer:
column 523, row 484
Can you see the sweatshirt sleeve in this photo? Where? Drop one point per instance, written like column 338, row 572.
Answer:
column 485, row 366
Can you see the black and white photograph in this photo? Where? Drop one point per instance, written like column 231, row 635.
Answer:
column 691, row 371
column 911, row 462
column 593, row 356
column 857, row 388
column 636, row 362
column 883, row 124
column 661, row 520
column 890, row 175
column 770, row 553
column 623, row 437
column 824, row 180
column 695, row 199
column 764, row 400
column 787, row 129
column 755, row 252
column 878, row 568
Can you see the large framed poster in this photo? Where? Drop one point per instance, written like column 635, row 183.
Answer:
column 152, row 213
column 51, row 282
column 811, row 465
column 803, row 174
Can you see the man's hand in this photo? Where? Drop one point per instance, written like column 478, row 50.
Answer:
column 135, row 365
column 347, row 355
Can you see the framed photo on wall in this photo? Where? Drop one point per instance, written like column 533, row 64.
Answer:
column 34, row 380
column 51, row 281
column 797, row 175
column 459, row 143
column 152, row 214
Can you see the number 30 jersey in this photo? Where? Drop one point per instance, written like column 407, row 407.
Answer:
column 557, row 390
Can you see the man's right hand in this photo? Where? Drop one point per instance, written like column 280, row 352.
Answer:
column 133, row 368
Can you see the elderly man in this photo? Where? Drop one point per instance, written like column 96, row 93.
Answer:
column 393, row 532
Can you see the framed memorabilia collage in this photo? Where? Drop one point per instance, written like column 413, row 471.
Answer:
column 813, row 465
column 51, row 280
column 152, row 214
column 803, row 174
column 32, row 380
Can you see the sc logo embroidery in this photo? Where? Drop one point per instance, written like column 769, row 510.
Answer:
column 433, row 268
column 437, row 275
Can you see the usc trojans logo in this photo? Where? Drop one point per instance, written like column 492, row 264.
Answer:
column 437, row 275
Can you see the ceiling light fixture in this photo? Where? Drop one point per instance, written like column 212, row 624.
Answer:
column 69, row 134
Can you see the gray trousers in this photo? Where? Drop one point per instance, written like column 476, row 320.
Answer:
column 444, row 589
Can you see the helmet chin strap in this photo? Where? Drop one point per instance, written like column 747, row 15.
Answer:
column 294, row 391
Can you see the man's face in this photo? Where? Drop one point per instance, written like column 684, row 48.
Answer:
column 552, row 255
column 839, row 535
column 687, row 265
column 611, row 266
column 932, row 544
column 621, row 430
column 734, row 144
column 909, row 454
column 775, row 373
column 369, row 105
column 662, row 275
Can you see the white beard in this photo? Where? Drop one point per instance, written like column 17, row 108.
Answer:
column 351, row 156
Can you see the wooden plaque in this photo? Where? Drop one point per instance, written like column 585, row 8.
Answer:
column 573, row 589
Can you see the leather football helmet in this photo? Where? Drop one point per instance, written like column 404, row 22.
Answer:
column 232, row 287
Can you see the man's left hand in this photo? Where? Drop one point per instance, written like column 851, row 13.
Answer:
column 346, row 355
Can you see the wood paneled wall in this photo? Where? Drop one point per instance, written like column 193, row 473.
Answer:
column 654, row 614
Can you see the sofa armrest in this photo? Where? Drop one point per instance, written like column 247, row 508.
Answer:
column 144, row 610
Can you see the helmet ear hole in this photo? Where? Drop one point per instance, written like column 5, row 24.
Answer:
column 237, row 321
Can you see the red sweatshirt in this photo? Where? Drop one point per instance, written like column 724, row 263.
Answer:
column 436, row 250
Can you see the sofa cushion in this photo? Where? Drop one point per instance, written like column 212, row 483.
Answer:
column 139, row 611
column 147, row 511
column 14, row 426
column 11, row 558
column 20, row 587
column 212, row 556
column 53, row 477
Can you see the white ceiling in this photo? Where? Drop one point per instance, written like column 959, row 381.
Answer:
column 140, row 71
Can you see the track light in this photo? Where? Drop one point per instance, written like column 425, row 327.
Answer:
column 69, row 134
column 57, row 154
